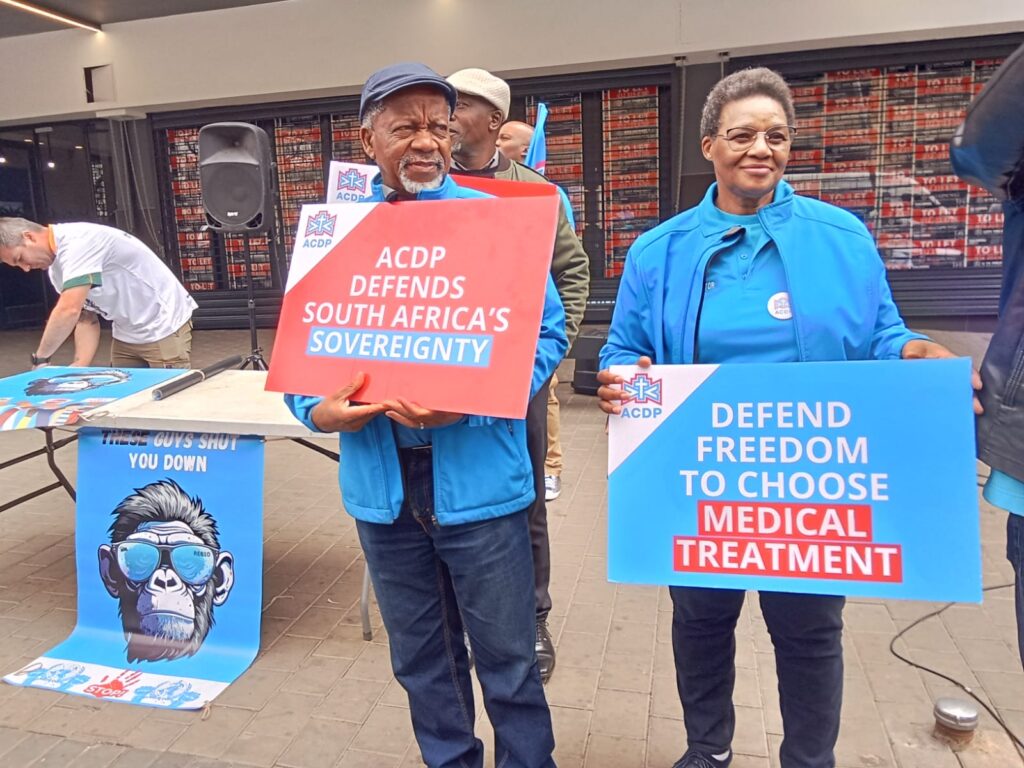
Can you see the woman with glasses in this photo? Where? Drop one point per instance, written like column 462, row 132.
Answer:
column 753, row 274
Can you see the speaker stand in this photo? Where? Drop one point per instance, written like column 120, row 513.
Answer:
column 254, row 359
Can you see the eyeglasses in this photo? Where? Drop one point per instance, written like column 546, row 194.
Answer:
column 139, row 559
column 776, row 137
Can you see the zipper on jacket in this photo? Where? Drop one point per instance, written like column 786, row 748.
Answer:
column 789, row 289
column 703, row 290
column 382, row 460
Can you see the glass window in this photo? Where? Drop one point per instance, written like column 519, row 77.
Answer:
column 875, row 141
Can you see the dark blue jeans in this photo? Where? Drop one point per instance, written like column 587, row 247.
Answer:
column 428, row 580
column 1015, row 554
column 806, row 631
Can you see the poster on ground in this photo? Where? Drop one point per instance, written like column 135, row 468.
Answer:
column 854, row 478
column 439, row 302
column 169, row 559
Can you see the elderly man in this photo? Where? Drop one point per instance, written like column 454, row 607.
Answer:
column 447, row 545
column 103, row 271
column 514, row 139
column 481, row 109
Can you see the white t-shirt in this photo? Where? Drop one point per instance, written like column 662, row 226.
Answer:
column 131, row 287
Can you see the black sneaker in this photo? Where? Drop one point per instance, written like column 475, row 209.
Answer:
column 545, row 650
column 695, row 759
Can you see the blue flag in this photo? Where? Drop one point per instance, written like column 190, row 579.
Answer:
column 537, row 152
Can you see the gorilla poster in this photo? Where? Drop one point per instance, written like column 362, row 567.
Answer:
column 167, row 570
column 169, row 553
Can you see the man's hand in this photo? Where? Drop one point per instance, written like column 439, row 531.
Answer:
column 922, row 349
column 610, row 393
column 409, row 414
column 338, row 413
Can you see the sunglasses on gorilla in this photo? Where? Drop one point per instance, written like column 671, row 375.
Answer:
column 139, row 559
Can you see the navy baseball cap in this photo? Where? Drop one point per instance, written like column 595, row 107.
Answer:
column 394, row 78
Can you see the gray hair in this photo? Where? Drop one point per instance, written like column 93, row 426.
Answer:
column 373, row 109
column 12, row 228
column 757, row 81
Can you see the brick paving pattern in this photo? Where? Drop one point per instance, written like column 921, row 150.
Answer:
column 319, row 696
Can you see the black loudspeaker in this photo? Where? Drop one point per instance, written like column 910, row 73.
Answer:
column 236, row 177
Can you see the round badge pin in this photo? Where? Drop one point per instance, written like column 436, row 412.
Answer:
column 778, row 306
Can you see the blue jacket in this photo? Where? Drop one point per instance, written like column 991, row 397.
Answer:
column 841, row 302
column 481, row 467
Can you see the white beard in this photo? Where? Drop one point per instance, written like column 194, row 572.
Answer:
column 415, row 187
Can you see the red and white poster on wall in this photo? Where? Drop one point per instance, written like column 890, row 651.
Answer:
column 438, row 302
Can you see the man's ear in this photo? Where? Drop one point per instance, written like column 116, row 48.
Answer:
column 366, row 137
column 496, row 120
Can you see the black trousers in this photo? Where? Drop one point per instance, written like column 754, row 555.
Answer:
column 806, row 631
column 537, row 513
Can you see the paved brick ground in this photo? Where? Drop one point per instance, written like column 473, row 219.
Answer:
column 318, row 695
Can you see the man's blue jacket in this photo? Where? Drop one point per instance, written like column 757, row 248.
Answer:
column 840, row 298
column 481, row 467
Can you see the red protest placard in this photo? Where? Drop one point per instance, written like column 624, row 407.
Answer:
column 504, row 188
column 438, row 302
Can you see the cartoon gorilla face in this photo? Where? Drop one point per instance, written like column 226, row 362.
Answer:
column 165, row 566
column 76, row 382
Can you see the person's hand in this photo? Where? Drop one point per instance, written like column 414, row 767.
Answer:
column 339, row 413
column 411, row 415
column 610, row 394
column 923, row 349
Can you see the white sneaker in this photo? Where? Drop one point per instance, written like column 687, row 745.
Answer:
column 552, row 487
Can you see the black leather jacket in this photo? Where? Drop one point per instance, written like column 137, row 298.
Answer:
column 1000, row 430
column 988, row 150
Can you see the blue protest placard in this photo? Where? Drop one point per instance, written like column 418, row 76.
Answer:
column 169, row 554
column 56, row 396
column 854, row 478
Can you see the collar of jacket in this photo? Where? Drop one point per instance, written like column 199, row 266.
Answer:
column 776, row 212
column 445, row 191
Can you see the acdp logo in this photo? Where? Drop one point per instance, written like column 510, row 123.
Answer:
column 644, row 394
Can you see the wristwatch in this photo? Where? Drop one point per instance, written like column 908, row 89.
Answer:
column 36, row 360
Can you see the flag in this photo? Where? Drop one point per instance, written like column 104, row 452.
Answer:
column 537, row 152
column 537, row 157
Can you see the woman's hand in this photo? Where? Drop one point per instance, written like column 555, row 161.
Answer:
column 610, row 393
column 923, row 349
